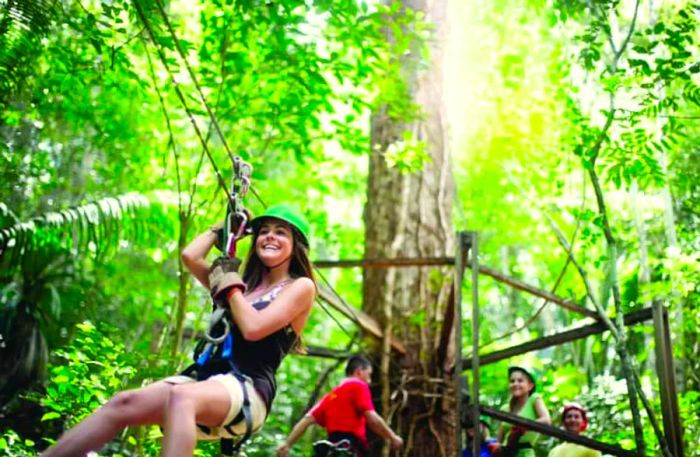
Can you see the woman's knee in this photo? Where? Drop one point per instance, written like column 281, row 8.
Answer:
column 122, row 406
column 138, row 406
column 180, row 399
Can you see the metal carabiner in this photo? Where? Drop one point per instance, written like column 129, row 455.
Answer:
column 240, row 232
column 216, row 317
column 245, row 184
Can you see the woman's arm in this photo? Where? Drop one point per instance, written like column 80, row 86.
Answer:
column 500, row 433
column 292, row 303
column 193, row 256
column 542, row 413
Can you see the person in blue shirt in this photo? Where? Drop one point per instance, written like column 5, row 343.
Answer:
column 489, row 446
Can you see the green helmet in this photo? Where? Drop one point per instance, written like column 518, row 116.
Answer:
column 526, row 372
column 286, row 213
column 485, row 420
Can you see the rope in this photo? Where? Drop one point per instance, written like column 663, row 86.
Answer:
column 181, row 97
column 347, row 307
column 193, row 77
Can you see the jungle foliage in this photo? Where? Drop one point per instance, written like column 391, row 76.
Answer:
column 552, row 106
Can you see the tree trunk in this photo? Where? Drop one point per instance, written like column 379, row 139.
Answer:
column 409, row 215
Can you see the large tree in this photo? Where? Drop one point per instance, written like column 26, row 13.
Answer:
column 408, row 214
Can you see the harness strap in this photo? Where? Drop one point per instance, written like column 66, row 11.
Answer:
column 196, row 370
column 245, row 411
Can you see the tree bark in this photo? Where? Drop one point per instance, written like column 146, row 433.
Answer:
column 409, row 215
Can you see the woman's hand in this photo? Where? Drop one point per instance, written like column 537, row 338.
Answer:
column 223, row 275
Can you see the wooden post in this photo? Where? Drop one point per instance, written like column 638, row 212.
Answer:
column 474, row 265
column 460, row 256
column 667, row 380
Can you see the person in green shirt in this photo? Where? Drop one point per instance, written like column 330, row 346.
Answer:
column 524, row 402
column 575, row 420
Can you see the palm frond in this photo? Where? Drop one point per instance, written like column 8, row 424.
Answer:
column 7, row 217
column 94, row 228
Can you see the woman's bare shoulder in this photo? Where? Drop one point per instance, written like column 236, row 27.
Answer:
column 305, row 283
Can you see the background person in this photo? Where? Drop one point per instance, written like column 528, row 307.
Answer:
column 524, row 402
column 346, row 412
column 575, row 420
column 489, row 447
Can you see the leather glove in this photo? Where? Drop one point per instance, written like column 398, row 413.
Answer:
column 223, row 275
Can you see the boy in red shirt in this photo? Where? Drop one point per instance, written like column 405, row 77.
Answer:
column 345, row 412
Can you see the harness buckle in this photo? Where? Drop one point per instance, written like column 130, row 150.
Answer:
column 217, row 316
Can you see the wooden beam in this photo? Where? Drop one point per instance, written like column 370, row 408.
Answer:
column 556, row 432
column 634, row 317
column 449, row 261
column 386, row 263
column 364, row 321
column 326, row 353
column 473, row 264
column 537, row 292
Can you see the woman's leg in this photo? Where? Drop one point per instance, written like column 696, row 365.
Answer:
column 206, row 403
column 143, row 406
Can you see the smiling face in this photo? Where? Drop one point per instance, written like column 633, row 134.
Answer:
column 519, row 384
column 573, row 421
column 274, row 242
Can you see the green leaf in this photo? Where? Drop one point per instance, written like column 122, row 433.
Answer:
column 49, row 416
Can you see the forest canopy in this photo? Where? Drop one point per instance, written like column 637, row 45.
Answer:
column 562, row 132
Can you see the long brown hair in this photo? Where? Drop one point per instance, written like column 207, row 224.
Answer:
column 300, row 266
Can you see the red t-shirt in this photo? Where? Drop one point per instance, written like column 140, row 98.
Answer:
column 343, row 409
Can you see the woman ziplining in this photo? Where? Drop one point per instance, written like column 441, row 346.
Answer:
column 258, row 319
column 229, row 391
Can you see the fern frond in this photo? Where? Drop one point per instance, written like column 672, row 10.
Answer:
column 95, row 227
column 7, row 217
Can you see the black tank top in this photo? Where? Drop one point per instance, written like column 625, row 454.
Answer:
column 260, row 359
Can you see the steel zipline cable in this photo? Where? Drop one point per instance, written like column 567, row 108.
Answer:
column 180, row 96
column 193, row 121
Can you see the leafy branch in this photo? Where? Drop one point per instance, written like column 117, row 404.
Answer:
column 629, row 369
